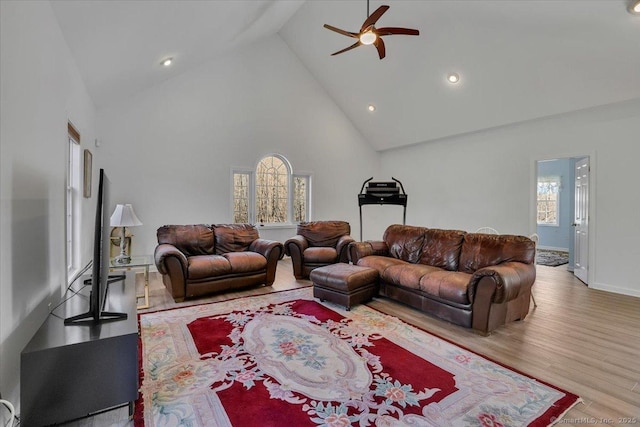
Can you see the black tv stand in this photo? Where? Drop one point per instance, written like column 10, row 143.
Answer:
column 71, row 372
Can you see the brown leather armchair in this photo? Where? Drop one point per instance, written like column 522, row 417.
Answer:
column 317, row 244
column 197, row 260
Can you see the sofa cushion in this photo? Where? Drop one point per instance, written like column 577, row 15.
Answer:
column 203, row 266
column 483, row 250
column 404, row 241
column 189, row 239
column 246, row 262
column 320, row 255
column 447, row 285
column 234, row 237
column 441, row 248
column 406, row 274
column 323, row 233
column 379, row 262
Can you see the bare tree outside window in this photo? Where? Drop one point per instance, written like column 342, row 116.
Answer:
column 548, row 190
column 272, row 190
column 241, row 197
column 271, row 194
column 300, row 198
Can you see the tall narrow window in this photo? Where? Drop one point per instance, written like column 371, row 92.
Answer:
column 72, row 208
column 271, row 194
column 548, row 191
column 241, row 197
column 272, row 191
column 300, row 198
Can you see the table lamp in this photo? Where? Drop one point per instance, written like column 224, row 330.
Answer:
column 124, row 216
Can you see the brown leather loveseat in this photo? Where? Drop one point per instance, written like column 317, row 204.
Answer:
column 479, row 281
column 196, row 260
column 317, row 244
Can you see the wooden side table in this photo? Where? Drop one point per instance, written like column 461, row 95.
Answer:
column 137, row 262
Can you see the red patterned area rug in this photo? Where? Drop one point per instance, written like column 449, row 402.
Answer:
column 283, row 359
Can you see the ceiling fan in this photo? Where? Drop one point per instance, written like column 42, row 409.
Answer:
column 369, row 34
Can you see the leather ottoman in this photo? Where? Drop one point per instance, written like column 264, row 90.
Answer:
column 344, row 284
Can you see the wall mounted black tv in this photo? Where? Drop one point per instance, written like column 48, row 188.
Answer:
column 100, row 278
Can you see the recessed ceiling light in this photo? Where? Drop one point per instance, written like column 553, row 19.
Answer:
column 167, row 62
column 634, row 7
column 453, row 78
column 371, row 108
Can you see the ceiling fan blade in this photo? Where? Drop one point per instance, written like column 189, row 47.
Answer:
column 387, row 31
column 373, row 18
column 353, row 46
column 339, row 31
column 379, row 44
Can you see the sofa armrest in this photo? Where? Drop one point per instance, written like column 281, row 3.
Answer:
column 359, row 250
column 295, row 247
column 164, row 251
column 296, row 243
column 264, row 247
column 174, row 267
column 510, row 280
column 500, row 294
column 272, row 251
column 342, row 247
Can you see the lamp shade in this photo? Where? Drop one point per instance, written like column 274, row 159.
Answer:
column 124, row 216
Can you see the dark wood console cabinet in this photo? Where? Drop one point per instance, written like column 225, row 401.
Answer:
column 68, row 372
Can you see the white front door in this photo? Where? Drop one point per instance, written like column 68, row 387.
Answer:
column 581, row 221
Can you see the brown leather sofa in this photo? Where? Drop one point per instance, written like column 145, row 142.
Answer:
column 197, row 260
column 479, row 281
column 317, row 244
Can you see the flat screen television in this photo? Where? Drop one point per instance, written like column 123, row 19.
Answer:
column 100, row 278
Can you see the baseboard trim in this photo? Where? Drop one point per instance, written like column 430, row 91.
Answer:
column 615, row 289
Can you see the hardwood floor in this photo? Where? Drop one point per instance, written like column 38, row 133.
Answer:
column 583, row 340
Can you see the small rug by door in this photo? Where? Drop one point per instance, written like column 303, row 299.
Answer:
column 552, row 258
column 283, row 359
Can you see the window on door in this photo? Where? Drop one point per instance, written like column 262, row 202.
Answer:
column 548, row 206
column 271, row 194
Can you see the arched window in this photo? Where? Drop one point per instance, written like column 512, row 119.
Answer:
column 271, row 194
column 272, row 190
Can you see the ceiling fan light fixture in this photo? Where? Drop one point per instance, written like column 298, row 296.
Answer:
column 453, row 78
column 368, row 37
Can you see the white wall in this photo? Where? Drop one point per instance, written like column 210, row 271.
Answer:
column 170, row 150
column 41, row 90
column 488, row 178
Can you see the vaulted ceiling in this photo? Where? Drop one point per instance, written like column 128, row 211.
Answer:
column 518, row 60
